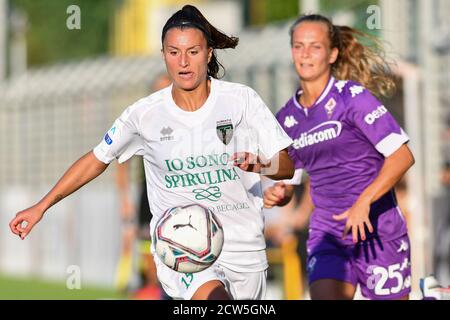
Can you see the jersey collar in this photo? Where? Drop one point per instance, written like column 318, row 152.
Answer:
column 198, row 114
column 322, row 96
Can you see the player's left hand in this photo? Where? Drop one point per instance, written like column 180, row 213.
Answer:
column 357, row 218
column 274, row 195
column 247, row 161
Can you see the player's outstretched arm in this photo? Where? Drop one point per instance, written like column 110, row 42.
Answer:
column 81, row 172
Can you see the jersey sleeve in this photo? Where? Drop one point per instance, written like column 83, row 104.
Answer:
column 296, row 179
column 374, row 120
column 293, row 153
column 269, row 135
column 123, row 140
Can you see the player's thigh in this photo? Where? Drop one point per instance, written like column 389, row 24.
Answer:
column 329, row 268
column 384, row 269
column 185, row 285
column 330, row 289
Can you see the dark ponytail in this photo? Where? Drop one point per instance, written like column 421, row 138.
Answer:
column 190, row 17
column 363, row 63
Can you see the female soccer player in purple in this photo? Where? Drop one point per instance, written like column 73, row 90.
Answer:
column 354, row 152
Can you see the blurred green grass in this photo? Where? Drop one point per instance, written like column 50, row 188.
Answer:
column 12, row 288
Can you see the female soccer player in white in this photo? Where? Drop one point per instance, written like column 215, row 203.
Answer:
column 354, row 152
column 203, row 141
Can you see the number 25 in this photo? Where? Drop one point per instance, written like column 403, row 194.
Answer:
column 391, row 273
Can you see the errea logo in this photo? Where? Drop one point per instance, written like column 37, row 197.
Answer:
column 374, row 115
column 166, row 134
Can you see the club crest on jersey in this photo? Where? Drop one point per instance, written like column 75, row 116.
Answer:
column 224, row 130
column 329, row 107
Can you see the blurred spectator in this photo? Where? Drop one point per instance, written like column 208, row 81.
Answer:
column 291, row 220
column 441, row 217
column 140, row 229
column 441, row 230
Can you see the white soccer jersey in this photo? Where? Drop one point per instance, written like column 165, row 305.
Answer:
column 187, row 159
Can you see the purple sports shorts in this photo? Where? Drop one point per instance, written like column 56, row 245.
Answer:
column 381, row 268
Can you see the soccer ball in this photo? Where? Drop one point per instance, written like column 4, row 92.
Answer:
column 188, row 239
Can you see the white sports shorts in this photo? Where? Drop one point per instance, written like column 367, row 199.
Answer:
column 239, row 285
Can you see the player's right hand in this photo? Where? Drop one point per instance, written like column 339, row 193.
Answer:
column 30, row 217
column 274, row 195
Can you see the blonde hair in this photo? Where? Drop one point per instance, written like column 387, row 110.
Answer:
column 364, row 63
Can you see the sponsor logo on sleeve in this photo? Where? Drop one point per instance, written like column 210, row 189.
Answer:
column 109, row 134
column 374, row 115
column 340, row 85
column 108, row 139
column 355, row 90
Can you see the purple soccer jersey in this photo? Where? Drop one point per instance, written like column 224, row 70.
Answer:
column 341, row 142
